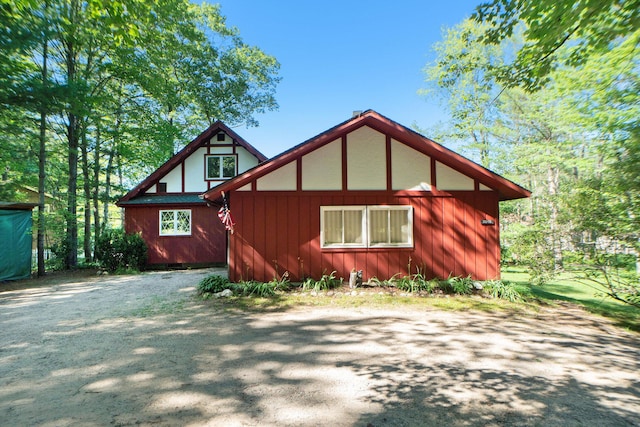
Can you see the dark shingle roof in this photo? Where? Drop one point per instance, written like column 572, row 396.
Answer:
column 165, row 199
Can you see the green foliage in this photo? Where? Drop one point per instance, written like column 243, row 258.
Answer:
column 254, row 288
column 326, row 282
column 282, row 283
column 116, row 250
column 461, row 76
column 610, row 281
column 582, row 28
column 123, row 85
column 566, row 288
column 461, row 285
column 261, row 289
column 530, row 247
column 413, row 283
column 213, row 284
column 59, row 252
column 503, row 290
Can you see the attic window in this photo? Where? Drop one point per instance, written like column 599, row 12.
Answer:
column 221, row 167
column 162, row 187
column 221, row 136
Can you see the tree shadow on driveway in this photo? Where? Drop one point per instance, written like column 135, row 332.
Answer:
column 166, row 358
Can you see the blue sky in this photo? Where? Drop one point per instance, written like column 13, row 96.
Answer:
column 338, row 56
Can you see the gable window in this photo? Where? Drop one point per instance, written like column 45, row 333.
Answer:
column 175, row 222
column 366, row 226
column 221, row 167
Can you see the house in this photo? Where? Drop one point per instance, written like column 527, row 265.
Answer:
column 178, row 226
column 368, row 194
column 15, row 233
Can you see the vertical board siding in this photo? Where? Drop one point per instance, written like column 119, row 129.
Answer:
column 206, row 244
column 283, row 228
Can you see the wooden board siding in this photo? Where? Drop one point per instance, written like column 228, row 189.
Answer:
column 279, row 231
column 206, row 244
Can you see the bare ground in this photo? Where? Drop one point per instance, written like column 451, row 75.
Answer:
column 142, row 350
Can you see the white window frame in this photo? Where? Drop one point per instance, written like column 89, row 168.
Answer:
column 366, row 232
column 363, row 237
column 175, row 231
column 388, row 208
column 220, row 173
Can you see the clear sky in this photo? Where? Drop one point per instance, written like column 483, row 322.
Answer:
column 339, row 56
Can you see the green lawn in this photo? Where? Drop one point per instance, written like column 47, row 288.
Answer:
column 566, row 288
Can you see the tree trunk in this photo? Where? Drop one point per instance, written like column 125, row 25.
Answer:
column 96, row 182
column 73, row 135
column 86, row 241
column 72, row 187
column 42, row 158
column 107, row 189
column 556, row 241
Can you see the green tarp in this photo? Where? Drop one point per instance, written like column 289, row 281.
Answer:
column 15, row 244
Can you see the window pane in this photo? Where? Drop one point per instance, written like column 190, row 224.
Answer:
column 184, row 221
column 332, row 227
column 352, row 226
column 229, row 166
column 399, row 222
column 166, row 222
column 378, row 226
column 213, row 167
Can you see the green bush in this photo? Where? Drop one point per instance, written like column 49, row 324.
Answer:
column 326, row 282
column 413, row 283
column 531, row 247
column 59, row 252
column 456, row 285
column 213, row 284
column 503, row 290
column 116, row 250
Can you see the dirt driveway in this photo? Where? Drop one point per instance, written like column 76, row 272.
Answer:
column 141, row 350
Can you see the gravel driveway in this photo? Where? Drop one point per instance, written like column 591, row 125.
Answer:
column 141, row 350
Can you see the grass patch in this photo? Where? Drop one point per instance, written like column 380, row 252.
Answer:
column 514, row 294
column 291, row 300
column 565, row 288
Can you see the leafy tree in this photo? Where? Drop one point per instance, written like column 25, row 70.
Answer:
column 579, row 27
column 102, row 87
column 462, row 77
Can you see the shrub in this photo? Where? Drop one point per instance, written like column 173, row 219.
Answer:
column 503, row 290
column 326, row 282
column 532, row 248
column 457, row 285
column 59, row 251
column 116, row 250
column 462, row 285
column 213, row 284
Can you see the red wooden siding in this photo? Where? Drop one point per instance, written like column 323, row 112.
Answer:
column 206, row 244
column 280, row 231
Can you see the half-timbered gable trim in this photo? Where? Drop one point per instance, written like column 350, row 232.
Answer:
column 178, row 226
column 370, row 153
column 213, row 157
